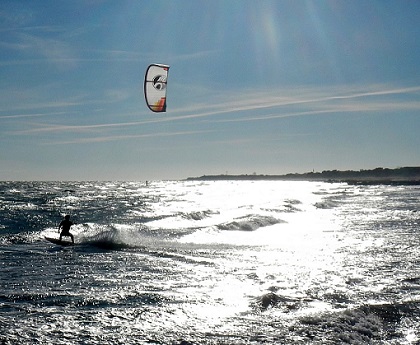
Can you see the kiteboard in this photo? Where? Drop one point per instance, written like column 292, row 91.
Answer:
column 57, row 241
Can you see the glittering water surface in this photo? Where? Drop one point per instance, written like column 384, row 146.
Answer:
column 236, row 262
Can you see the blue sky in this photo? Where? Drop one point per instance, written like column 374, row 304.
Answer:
column 266, row 87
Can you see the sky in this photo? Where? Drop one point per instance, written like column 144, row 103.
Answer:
column 265, row 87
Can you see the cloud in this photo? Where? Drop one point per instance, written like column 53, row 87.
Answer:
column 297, row 102
column 16, row 116
column 54, row 50
column 125, row 137
column 307, row 102
column 330, row 109
column 44, row 98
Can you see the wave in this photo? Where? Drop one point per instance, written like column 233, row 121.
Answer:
column 351, row 327
column 289, row 206
column 364, row 324
column 112, row 237
column 326, row 204
column 272, row 300
column 198, row 215
column 15, row 239
column 66, row 300
column 250, row 223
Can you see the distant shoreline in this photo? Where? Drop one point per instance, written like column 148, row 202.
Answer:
column 398, row 176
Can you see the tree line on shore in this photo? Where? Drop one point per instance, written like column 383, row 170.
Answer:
column 403, row 175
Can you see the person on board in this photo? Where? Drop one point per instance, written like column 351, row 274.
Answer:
column 66, row 224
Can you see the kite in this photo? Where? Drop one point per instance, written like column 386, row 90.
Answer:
column 155, row 82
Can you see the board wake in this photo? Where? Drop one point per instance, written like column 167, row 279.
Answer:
column 57, row 241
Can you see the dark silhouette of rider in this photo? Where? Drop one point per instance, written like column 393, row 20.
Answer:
column 66, row 224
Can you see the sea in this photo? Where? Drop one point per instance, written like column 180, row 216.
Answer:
column 210, row 262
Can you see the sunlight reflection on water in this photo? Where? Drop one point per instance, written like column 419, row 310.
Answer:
column 219, row 262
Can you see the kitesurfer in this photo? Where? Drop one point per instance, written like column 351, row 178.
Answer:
column 66, row 223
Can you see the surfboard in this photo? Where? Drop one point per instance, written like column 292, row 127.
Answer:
column 57, row 241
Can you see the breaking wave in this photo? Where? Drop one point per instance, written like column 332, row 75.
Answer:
column 250, row 223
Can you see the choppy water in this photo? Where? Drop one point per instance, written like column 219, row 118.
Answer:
column 235, row 262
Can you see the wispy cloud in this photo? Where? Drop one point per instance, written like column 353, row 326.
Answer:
column 329, row 109
column 102, row 139
column 310, row 97
column 307, row 102
column 35, row 47
column 43, row 128
column 17, row 116
column 250, row 106
column 43, row 99
column 54, row 50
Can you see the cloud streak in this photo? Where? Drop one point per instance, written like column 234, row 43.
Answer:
column 125, row 137
column 17, row 116
column 308, row 102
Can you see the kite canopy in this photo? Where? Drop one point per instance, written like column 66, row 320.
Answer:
column 155, row 82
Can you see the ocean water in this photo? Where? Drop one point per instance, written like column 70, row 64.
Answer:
column 210, row 262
